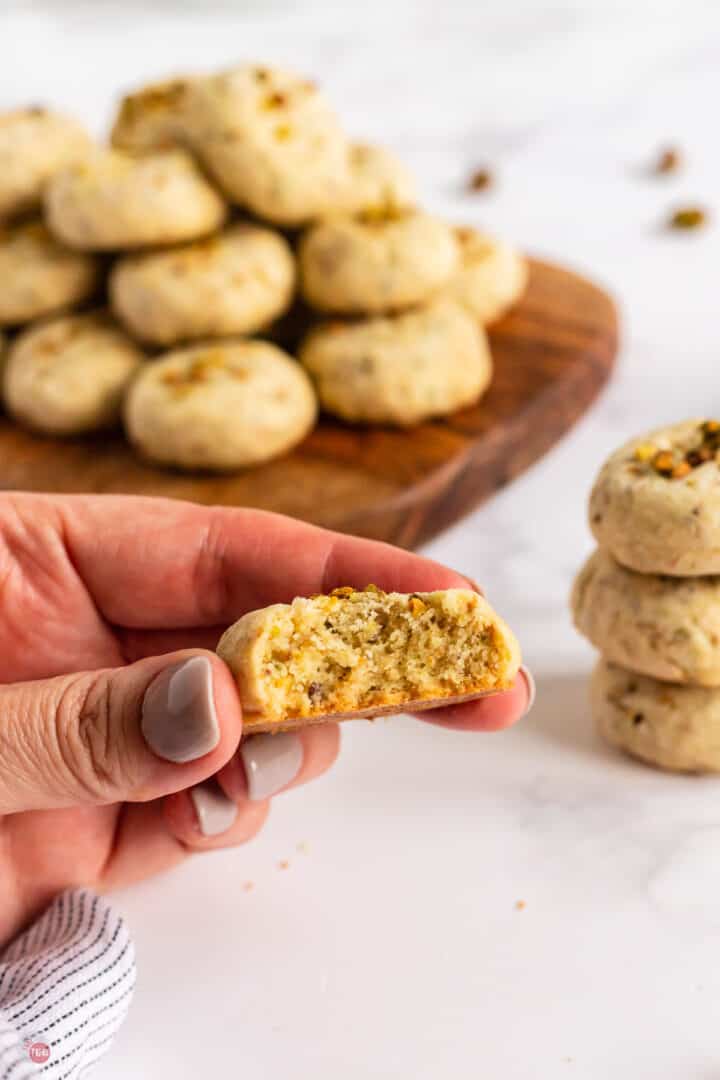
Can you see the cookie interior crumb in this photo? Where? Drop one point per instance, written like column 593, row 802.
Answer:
column 356, row 650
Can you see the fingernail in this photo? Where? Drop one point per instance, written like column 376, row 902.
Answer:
column 215, row 812
column 178, row 714
column 271, row 762
column 531, row 688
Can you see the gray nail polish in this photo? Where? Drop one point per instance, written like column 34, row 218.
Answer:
column 215, row 812
column 532, row 689
column 271, row 762
column 178, row 713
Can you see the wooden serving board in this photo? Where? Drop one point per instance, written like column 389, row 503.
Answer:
column 552, row 356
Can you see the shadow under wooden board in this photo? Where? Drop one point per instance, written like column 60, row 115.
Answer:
column 552, row 355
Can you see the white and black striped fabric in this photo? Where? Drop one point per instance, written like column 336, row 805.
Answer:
column 65, row 988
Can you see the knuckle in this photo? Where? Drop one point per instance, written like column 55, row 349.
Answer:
column 210, row 584
column 89, row 731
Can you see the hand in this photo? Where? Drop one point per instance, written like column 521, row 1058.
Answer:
column 114, row 717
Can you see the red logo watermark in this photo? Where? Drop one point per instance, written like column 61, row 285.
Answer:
column 37, row 1051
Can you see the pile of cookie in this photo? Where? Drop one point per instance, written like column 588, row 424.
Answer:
column 265, row 265
column 649, row 598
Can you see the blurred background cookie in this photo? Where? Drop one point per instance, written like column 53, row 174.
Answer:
column 378, row 180
column 376, row 261
column 38, row 275
column 236, row 282
column 113, row 200
column 152, row 118
column 69, row 375
column 399, row 369
column 220, row 406
column 34, row 144
column 271, row 141
column 492, row 275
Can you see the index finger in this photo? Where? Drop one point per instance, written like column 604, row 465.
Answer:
column 161, row 563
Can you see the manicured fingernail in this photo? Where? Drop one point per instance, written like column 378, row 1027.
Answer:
column 271, row 762
column 178, row 714
column 531, row 688
column 215, row 812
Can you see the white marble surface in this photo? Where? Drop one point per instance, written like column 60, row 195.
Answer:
column 393, row 947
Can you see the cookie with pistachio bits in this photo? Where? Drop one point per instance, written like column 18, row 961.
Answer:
column 220, row 406
column 68, row 376
column 673, row 727
column 235, row 282
column 113, row 201
column 39, row 275
column 667, row 627
column 399, row 369
column 271, row 142
column 655, row 505
column 153, row 118
column 363, row 653
column 34, row 144
column 377, row 261
column 378, row 179
column 492, row 276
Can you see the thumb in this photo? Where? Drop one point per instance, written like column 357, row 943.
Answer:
column 121, row 734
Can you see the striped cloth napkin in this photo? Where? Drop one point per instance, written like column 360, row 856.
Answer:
column 65, row 989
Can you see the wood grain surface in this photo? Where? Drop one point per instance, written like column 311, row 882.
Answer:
column 552, row 356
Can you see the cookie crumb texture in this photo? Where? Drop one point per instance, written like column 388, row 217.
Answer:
column 365, row 652
column 676, row 728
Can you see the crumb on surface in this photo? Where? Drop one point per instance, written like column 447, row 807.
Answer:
column 284, row 864
column 669, row 160
column 520, row 905
column 248, row 886
column 688, row 217
column 480, row 180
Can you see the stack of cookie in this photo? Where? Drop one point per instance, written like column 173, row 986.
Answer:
column 230, row 206
column 649, row 598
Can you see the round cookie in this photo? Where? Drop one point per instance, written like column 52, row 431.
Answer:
column 152, row 118
column 39, row 275
column 400, row 369
column 492, row 275
column 69, row 376
column 220, row 406
column 236, row 282
column 674, row 727
column 378, row 180
column 661, row 626
column 34, row 144
column 271, row 141
column 656, row 502
column 376, row 262
column 113, row 201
